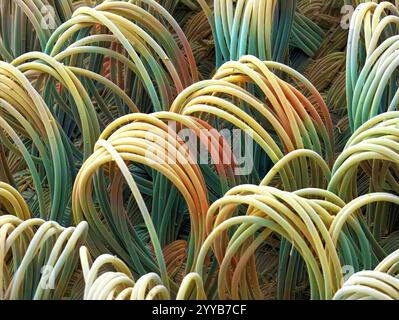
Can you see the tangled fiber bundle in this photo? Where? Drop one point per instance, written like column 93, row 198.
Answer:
column 379, row 284
column 210, row 149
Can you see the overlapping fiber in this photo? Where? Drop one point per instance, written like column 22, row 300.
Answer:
column 103, row 197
